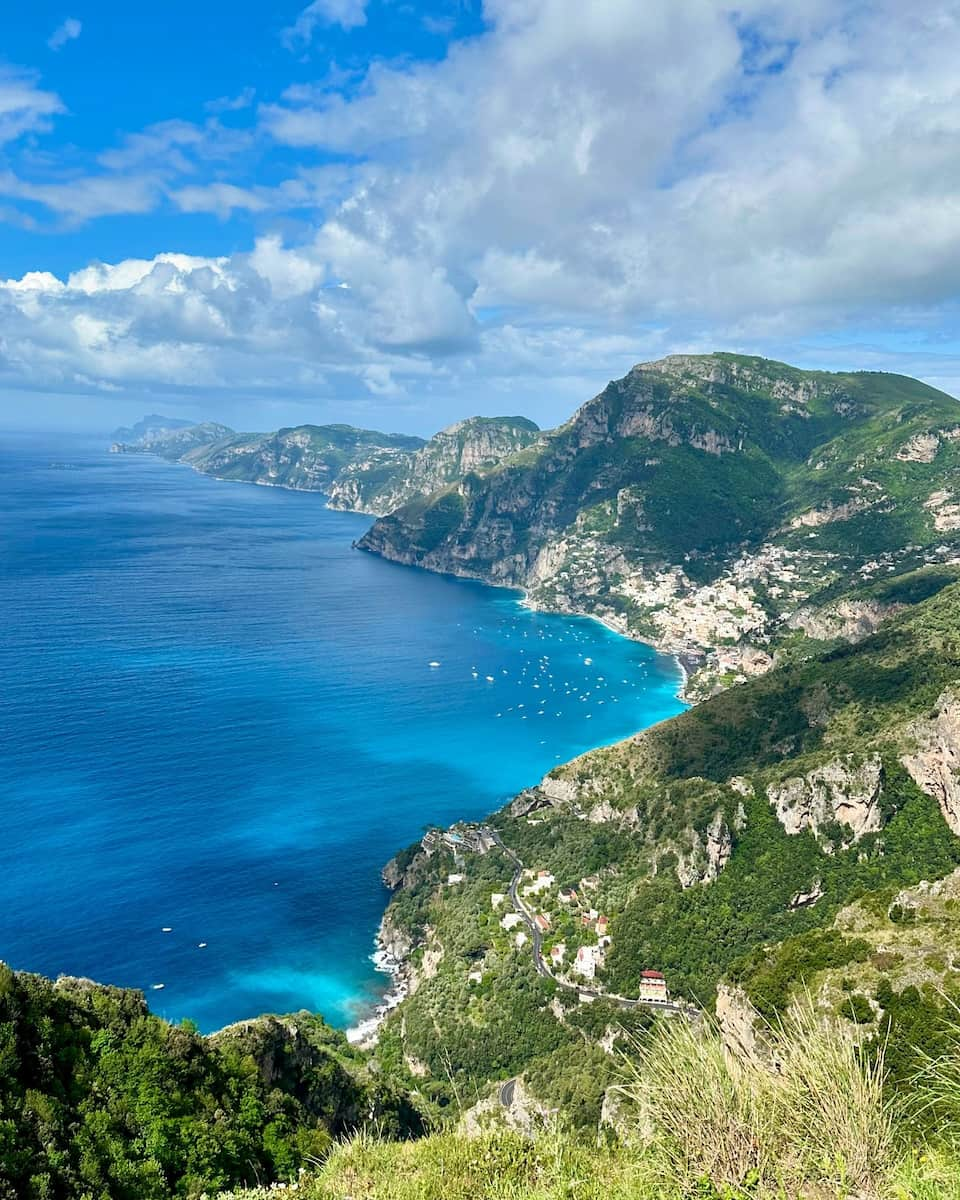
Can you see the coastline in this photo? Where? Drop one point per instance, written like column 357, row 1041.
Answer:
column 685, row 661
column 389, row 959
column 365, row 1032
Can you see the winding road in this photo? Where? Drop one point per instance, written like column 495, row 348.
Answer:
column 540, row 965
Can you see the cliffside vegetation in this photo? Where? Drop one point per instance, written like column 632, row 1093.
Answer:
column 98, row 1098
column 711, row 504
column 748, row 821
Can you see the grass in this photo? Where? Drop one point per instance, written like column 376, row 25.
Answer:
column 807, row 1117
column 805, row 1120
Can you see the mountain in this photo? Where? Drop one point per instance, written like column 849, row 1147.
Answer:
column 718, row 506
column 149, row 425
column 749, row 821
column 307, row 457
column 172, row 442
column 379, row 485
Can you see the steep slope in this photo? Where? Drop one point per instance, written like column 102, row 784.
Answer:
column 379, row 485
column 747, row 820
column 712, row 505
column 172, row 442
column 307, row 457
column 152, row 424
column 100, row 1098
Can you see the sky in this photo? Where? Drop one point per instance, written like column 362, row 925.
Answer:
column 399, row 214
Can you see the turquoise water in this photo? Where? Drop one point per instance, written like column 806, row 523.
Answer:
column 217, row 718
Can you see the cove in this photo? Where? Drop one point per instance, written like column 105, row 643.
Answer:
column 218, row 721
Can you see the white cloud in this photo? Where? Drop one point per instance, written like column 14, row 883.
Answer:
column 24, row 108
column 576, row 188
column 348, row 14
column 66, row 32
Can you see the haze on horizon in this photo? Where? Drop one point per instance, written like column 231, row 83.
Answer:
column 399, row 215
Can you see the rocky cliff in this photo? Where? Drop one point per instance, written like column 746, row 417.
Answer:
column 702, row 502
column 307, row 458
column 171, row 442
column 377, row 485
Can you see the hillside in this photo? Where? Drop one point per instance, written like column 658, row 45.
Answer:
column 717, row 506
column 478, row 444
column 307, row 457
column 749, row 819
column 169, row 441
column 100, row 1098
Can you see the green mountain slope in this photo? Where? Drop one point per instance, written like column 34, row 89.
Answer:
column 377, row 485
column 712, row 505
column 170, row 441
column 98, row 1098
column 751, row 818
column 307, row 457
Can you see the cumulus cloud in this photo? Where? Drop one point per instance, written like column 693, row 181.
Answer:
column 576, row 188
column 66, row 32
column 348, row 14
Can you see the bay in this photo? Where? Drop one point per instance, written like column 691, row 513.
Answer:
column 218, row 720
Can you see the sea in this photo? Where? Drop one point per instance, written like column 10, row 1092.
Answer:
column 218, row 720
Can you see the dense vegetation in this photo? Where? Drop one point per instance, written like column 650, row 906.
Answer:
column 100, row 1099
column 658, row 793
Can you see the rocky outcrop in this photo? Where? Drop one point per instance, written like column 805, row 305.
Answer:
column 815, row 517
column 846, row 791
column 944, row 507
column 922, row 448
column 476, row 444
column 738, row 1022
column 851, row 620
column 934, row 763
column 709, row 853
column 807, row 897
column 393, row 940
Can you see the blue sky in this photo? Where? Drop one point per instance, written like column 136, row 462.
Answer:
column 398, row 214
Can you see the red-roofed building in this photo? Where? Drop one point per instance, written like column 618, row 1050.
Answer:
column 653, row 986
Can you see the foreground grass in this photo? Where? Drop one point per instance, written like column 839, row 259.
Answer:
column 805, row 1119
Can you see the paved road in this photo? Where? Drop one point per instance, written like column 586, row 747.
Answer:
column 506, row 1092
column 540, row 965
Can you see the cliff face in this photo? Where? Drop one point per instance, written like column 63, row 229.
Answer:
column 379, row 486
column 306, row 458
column 700, row 502
column 934, row 763
column 171, row 442
column 843, row 792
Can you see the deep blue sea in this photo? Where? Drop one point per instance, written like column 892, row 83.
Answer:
column 218, row 721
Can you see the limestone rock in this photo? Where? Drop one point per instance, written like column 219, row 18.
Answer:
column 934, row 765
column 846, row 791
column 852, row 620
column 708, row 854
column 738, row 1020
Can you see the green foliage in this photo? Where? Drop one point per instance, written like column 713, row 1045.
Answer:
column 99, row 1098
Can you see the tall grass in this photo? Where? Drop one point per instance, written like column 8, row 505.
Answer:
column 807, row 1118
